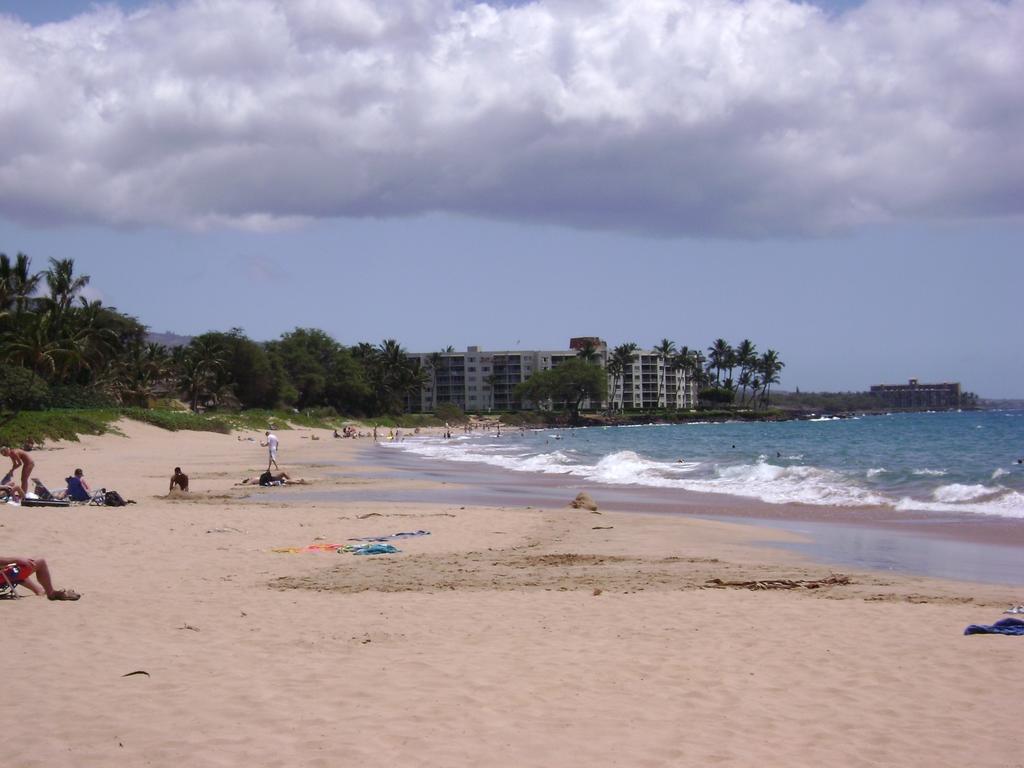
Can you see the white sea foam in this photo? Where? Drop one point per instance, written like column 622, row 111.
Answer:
column 956, row 492
column 1006, row 504
column 787, row 485
column 763, row 480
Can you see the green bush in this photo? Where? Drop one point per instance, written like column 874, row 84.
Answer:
column 21, row 389
column 451, row 413
column 76, row 396
column 719, row 395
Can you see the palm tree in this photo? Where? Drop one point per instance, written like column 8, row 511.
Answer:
column 434, row 360
column 34, row 345
column 664, row 350
column 491, row 380
column 17, row 284
column 589, row 352
column 746, row 359
column 63, row 285
column 197, row 369
column 140, row 368
column 395, row 375
column 718, row 358
column 769, row 368
column 621, row 361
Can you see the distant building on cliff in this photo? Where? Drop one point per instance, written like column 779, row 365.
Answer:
column 917, row 395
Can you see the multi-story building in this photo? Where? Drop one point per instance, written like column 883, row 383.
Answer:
column 915, row 395
column 652, row 382
column 479, row 380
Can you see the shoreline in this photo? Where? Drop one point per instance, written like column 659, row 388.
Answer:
column 955, row 536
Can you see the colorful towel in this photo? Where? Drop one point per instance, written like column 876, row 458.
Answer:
column 1001, row 627
column 375, row 549
column 309, row 548
column 402, row 535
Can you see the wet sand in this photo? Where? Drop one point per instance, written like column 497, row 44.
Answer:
column 959, row 546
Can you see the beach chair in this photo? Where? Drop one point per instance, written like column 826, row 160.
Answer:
column 9, row 581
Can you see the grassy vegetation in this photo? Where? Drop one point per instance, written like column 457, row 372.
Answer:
column 176, row 421
column 39, row 426
column 69, row 423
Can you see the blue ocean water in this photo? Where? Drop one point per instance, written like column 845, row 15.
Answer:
column 938, row 462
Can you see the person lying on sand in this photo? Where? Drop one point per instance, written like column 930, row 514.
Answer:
column 19, row 570
column 272, row 478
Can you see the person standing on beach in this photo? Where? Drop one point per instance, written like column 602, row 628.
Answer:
column 271, row 446
column 20, row 458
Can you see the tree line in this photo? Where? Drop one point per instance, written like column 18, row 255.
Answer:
column 58, row 349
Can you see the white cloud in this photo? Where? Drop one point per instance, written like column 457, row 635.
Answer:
column 764, row 117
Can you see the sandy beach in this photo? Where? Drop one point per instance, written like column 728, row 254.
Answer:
column 509, row 636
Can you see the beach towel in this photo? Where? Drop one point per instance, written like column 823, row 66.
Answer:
column 1001, row 627
column 309, row 548
column 375, row 549
column 27, row 502
column 403, row 535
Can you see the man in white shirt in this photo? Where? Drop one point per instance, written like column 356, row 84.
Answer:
column 271, row 445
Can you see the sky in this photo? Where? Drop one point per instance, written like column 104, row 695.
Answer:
column 842, row 182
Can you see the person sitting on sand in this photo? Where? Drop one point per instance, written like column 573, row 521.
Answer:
column 179, row 479
column 19, row 570
column 78, row 489
column 10, row 493
column 20, row 458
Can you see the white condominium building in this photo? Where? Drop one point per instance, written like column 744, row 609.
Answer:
column 485, row 380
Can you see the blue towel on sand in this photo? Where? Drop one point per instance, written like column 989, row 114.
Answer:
column 1001, row 627
column 402, row 535
column 375, row 549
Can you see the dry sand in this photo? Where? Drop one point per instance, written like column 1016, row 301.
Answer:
column 508, row 637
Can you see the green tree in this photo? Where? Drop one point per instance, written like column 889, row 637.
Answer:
column 17, row 283
column 568, row 384
column 620, row 362
column 247, row 369
column 589, row 352
column 198, row 367
column 63, row 285
column 769, row 367
column 746, row 359
column 664, row 350
column 719, row 355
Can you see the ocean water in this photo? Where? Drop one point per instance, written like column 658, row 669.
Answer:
column 937, row 462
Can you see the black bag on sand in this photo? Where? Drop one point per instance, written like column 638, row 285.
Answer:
column 113, row 499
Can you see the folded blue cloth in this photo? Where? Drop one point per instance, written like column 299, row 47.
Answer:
column 375, row 549
column 402, row 535
column 1001, row 627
